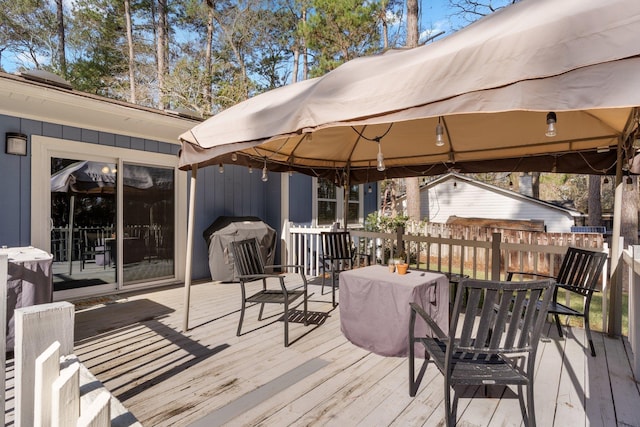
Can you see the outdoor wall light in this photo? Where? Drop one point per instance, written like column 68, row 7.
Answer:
column 439, row 133
column 16, row 144
column 551, row 124
column 380, row 159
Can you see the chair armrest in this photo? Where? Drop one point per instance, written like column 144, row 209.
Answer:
column 284, row 265
column 432, row 324
column 252, row 277
column 527, row 273
column 574, row 288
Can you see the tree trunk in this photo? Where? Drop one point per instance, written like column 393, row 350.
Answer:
column 161, row 46
column 207, row 58
column 412, row 185
column 62, row 58
column 132, row 71
column 594, row 202
column 535, row 184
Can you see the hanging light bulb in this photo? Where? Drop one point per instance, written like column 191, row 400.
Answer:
column 234, row 157
column 265, row 175
column 455, row 184
column 510, row 181
column 439, row 133
column 250, row 169
column 551, row 124
column 629, row 181
column 380, row 159
column 221, row 168
column 369, row 190
column 606, row 180
column 290, row 172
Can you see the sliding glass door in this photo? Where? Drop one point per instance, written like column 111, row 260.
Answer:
column 108, row 215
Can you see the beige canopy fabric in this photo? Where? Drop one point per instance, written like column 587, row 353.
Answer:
column 490, row 85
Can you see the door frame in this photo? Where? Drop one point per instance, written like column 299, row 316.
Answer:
column 44, row 148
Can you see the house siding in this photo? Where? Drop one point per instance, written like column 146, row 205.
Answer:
column 469, row 200
column 15, row 171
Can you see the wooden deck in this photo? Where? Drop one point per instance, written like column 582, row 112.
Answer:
column 210, row 377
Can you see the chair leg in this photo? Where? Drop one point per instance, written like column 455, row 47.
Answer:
column 450, row 416
column 530, row 413
column 260, row 313
column 587, row 329
column 324, row 271
column 241, row 319
column 286, row 323
column 558, row 325
column 333, row 288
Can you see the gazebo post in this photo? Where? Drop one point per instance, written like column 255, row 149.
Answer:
column 614, row 324
column 189, row 260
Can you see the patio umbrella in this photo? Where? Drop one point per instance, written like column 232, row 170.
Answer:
column 487, row 92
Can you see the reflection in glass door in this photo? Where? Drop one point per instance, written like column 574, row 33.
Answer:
column 148, row 223
column 83, row 218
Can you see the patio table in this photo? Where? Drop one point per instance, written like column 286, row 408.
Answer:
column 29, row 282
column 374, row 307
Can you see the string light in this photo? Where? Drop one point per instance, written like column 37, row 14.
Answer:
column 551, row 124
column 265, row 175
column 439, row 133
column 250, row 169
column 370, row 190
column 380, row 159
column 221, row 168
column 234, row 157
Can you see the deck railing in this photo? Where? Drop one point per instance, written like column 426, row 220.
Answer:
column 486, row 255
column 631, row 259
column 489, row 258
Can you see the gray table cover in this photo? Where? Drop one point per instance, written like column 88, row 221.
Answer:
column 30, row 282
column 374, row 307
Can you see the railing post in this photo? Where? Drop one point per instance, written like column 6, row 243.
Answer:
column 496, row 238
column 634, row 309
column 399, row 241
column 4, row 263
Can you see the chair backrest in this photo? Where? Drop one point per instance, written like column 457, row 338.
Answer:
column 581, row 269
column 500, row 317
column 336, row 245
column 247, row 258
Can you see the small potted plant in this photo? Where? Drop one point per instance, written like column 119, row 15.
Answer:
column 401, row 263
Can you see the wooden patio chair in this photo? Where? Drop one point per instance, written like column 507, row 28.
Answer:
column 337, row 256
column 250, row 267
column 579, row 273
column 493, row 342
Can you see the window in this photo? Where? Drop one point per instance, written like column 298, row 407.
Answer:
column 329, row 203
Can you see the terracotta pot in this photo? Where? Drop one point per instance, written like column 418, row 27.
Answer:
column 402, row 268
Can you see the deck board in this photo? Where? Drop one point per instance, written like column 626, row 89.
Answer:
column 165, row 377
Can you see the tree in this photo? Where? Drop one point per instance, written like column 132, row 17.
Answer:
column 162, row 51
column 340, row 30
column 132, row 61
column 472, row 10
column 412, row 183
column 594, row 203
column 62, row 59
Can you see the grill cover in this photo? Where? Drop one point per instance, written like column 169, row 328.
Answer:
column 227, row 229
